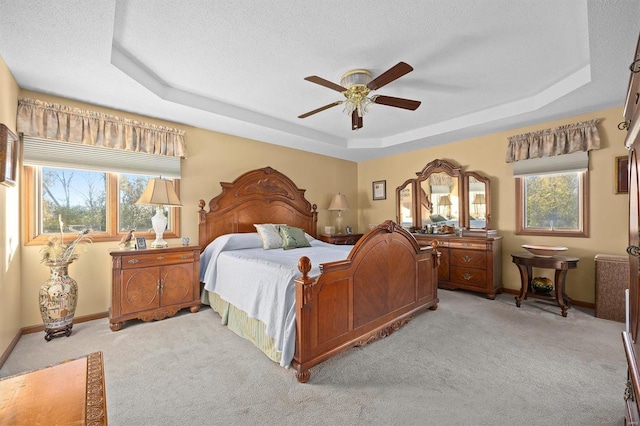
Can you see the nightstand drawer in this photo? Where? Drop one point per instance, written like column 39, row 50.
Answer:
column 156, row 259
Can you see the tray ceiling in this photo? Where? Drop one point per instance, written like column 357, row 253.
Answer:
column 238, row 67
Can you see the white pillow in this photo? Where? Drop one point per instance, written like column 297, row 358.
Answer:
column 270, row 235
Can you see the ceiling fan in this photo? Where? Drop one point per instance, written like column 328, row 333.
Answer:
column 356, row 85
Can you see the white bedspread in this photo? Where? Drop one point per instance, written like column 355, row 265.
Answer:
column 261, row 282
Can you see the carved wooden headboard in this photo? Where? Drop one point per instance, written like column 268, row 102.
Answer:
column 258, row 196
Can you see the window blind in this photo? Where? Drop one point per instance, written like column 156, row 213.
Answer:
column 574, row 162
column 41, row 152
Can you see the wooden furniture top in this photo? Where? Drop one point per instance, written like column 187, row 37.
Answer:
column 258, row 196
column 69, row 393
column 554, row 262
column 340, row 239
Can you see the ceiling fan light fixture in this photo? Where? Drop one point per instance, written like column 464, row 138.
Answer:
column 356, row 85
column 355, row 81
column 350, row 105
column 358, row 77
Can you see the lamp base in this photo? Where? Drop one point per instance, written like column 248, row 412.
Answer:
column 339, row 228
column 159, row 223
column 159, row 243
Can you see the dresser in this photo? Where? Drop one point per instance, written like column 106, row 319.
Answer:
column 153, row 284
column 468, row 262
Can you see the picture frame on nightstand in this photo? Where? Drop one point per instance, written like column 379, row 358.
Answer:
column 141, row 243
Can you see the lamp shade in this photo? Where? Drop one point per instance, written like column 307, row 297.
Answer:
column 479, row 199
column 159, row 192
column 444, row 201
column 339, row 203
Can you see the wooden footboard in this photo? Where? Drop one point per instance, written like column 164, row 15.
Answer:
column 386, row 279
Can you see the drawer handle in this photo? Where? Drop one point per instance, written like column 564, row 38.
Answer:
column 467, row 259
column 133, row 261
column 160, row 257
column 467, row 276
column 466, row 244
column 186, row 256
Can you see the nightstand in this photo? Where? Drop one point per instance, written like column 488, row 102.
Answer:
column 340, row 239
column 153, row 284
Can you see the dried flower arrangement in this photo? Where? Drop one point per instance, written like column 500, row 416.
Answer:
column 56, row 251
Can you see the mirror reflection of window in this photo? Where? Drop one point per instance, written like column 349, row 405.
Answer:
column 477, row 203
column 406, row 206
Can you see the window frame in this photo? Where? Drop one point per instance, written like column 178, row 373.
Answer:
column 583, row 193
column 30, row 207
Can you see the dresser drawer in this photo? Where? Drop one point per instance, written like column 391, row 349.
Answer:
column 156, row 259
column 468, row 245
column 468, row 258
column 468, row 276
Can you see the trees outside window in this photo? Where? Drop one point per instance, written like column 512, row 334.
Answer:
column 83, row 200
column 552, row 204
column 77, row 196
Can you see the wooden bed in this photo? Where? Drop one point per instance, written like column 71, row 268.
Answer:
column 385, row 280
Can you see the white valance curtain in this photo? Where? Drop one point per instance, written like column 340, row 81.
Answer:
column 567, row 139
column 52, row 121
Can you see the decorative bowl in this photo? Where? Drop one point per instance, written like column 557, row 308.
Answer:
column 542, row 285
column 544, row 251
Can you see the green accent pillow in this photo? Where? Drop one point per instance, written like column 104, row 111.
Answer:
column 293, row 237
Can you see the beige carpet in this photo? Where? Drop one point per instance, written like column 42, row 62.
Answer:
column 471, row 362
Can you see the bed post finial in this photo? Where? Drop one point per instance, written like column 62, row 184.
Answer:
column 304, row 266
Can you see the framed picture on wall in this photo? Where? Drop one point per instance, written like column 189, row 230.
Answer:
column 622, row 175
column 380, row 190
column 8, row 156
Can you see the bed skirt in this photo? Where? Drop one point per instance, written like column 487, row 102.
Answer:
column 239, row 322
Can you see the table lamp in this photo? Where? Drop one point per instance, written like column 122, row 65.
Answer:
column 446, row 202
column 478, row 200
column 159, row 192
column 339, row 203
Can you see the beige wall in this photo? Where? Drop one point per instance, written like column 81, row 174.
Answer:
column 608, row 211
column 10, row 288
column 212, row 158
column 215, row 157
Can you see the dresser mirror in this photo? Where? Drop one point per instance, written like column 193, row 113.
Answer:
column 440, row 194
column 477, row 199
column 443, row 194
column 405, row 206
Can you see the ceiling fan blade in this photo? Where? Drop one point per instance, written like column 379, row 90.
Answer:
column 320, row 109
column 393, row 73
column 397, row 102
column 326, row 83
column 356, row 121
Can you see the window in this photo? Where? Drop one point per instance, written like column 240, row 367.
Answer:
column 552, row 204
column 101, row 201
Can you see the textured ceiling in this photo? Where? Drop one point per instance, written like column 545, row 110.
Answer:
column 238, row 67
